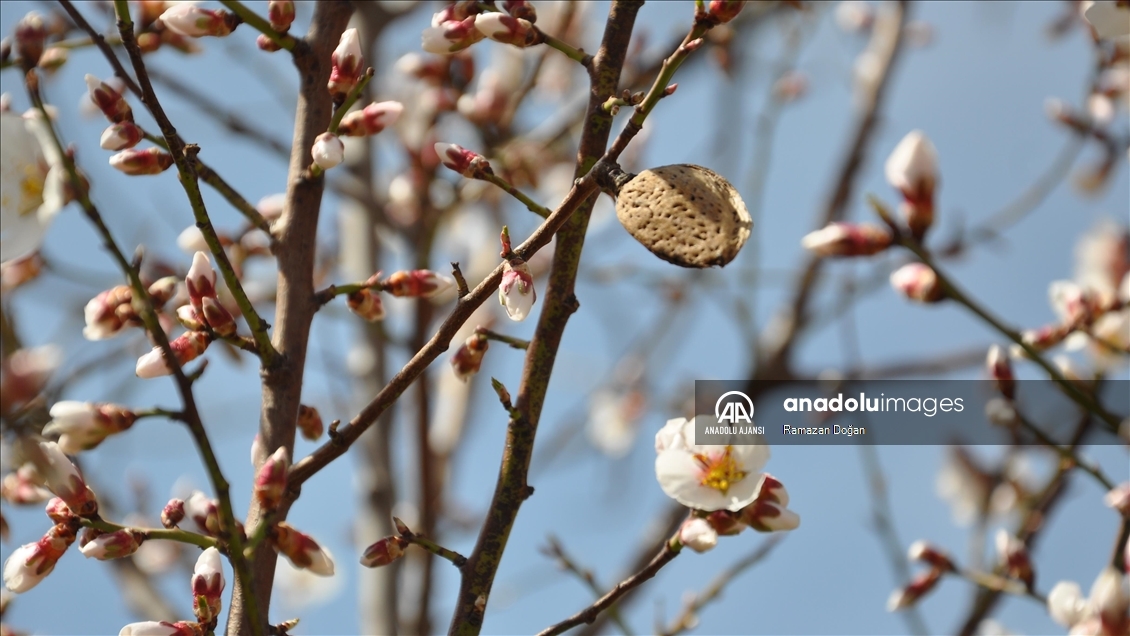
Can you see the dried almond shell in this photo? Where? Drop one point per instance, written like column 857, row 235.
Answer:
column 685, row 214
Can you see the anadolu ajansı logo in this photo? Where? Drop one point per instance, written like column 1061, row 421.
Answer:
column 734, row 410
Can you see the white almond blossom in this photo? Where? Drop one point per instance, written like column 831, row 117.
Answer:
column 707, row 477
column 32, row 180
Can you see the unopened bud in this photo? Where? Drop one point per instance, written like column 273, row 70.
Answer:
column 301, row 550
column 186, row 348
column 270, row 481
column 140, row 162
column 280, row 13
column 31, row 37
column 309, row 422
column 506, row 29
column 266, row 44
column 1014, row 557
column 328, row 151
column 697, row 534
column 912, row 168
column 922, row 551
column 371, row 120
column 384, row 552
column 401, row 527
column 53, row 58
column 113, row 545
column 521, row 9
column 468, row 359
column 847, row 239
column 449, row 36
column 120, row 136
column 346, row 65
column 516, row 290
column 467, row 163
column 417, row 283
column 172, row 513
column 189, row 20
column 725, row 10
column 1000, row 370
column 367, row 304
column 917, row 282
column 918, row 587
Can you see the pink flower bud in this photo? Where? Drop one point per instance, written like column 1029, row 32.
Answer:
column 189, row 20
column 29, row 564
column 697, row 534
column 280, row 13
column 912, row 168
column 204, row 512
column 83, row 425
column 218, row 318
column 384, row 552
column 31, row 37
column 63, row 478
column 922, row 551
column 918, row 282
column 726, row 523
column 918, row 587
column 172, row 513
column 328, row 151
column 103, row 319
column 725, row 10
column 162, row 628
column 189, row 319
column 208, row 584
column 417, row 283
column 371, row 120
column 58, row 511
column 367, row 304
column 1000, row 370
column 55, row 57
column 272, row 206
column 301, row 550
column 270, row 481
column 310, row 422
column 1045, row 337
column 185, row 349
column 163, row 289
column 506, row 29
column 24, row 486
column 465, row 162
column 201, row 280
column 521, row 9
column 1119, row 499
column 516, row 291
column 1014, row 557
column 120, row 136
column 108, row 100
column 469, row 357
column 847, row 239
column 769, row 512
column 450, row 36
column 113, row 545
column 347, row 60
column 265, row 43
column 141, row 162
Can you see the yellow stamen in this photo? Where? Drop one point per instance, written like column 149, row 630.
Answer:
column 720, row 471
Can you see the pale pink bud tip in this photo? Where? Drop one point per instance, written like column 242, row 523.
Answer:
column 270, row 481
column 173, row 513
column 346, row 65
column 161, row 628
column 912, row 167
column 847, row 239
column 465, row 162
column 697, row 534
column 185, row 349
column 1119, row 499
column 917, row 282
column 516, row 291
column 328, row 151
column 725, row 10
column 301, row 550
column 367, row 304
column 113, row 545
column 280, row 13
column 417, row 283
column 469, row 358
column 384, row 552
column 121, row 136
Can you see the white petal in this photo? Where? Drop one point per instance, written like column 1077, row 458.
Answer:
column 1066, row 604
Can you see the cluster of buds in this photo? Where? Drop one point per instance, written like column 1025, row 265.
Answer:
column 912, row 169
column 466, row 162
column 370, row 120
column 767, row 513
column 111, row 311
column 207, row 585
column 270, row 481
column 83, row 425
column 847, row 239
column 346, row 65
column 310, row 423
column 417, row 283
column 469, row 357
column 201, row 283
column 917, row 282
column 1014, row 558
column 301, row 550
column 123, row 134
column 189, row 20
column 30, row 563
column 111, row 545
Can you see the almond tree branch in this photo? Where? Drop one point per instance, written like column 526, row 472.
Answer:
column 184, row 156
column 295, row 235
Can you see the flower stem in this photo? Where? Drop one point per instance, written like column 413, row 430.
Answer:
column 516, row 343
column 350, row 99
column 180, row 536
column 569, row 50
column 255, row 21
column 530, row 204
column 431, row 546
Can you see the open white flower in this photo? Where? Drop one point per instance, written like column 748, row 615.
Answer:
column 32, row 183
column 707, row 477
column 1111, row 21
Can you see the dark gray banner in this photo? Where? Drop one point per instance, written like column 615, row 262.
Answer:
column 901, row 412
